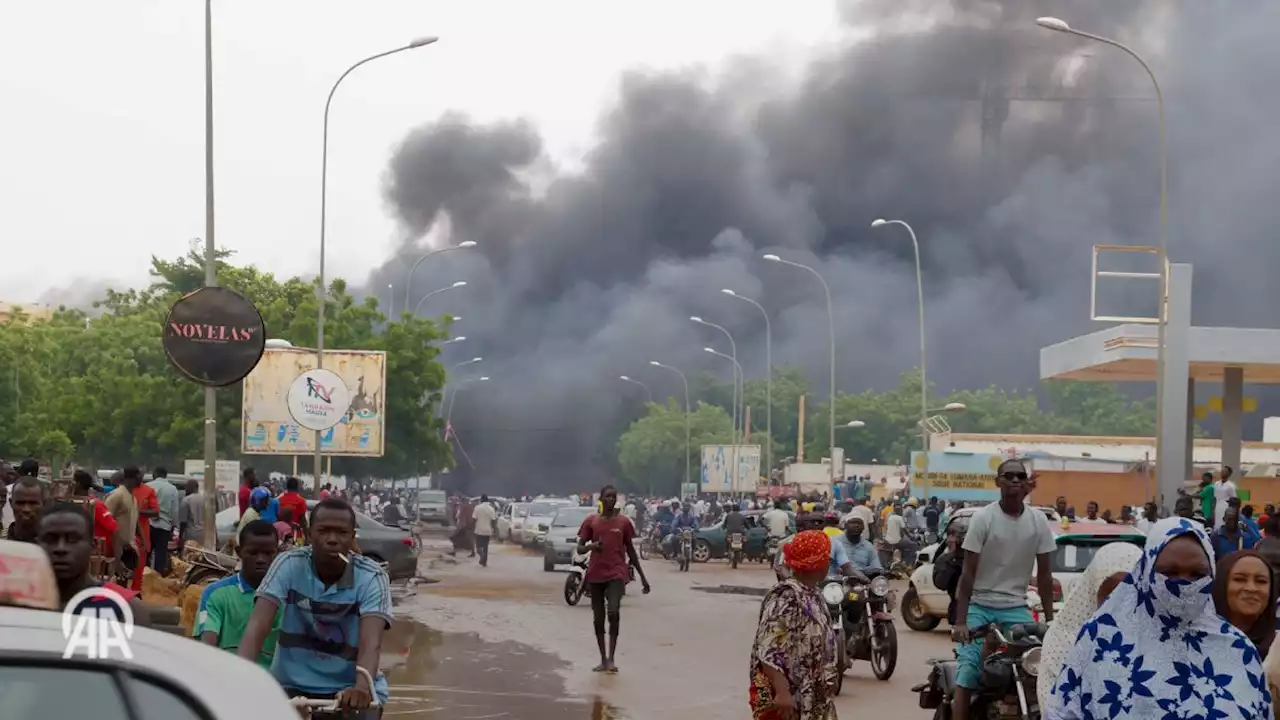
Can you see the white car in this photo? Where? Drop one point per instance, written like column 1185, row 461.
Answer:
column 170, row 676
column 511, row 521
column 924, row 605
column 537, row 521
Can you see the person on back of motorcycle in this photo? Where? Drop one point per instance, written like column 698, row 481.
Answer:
column 681, row 521
column 948, row 567
column 1004, row 541
column 840, row 564
column 831, row 525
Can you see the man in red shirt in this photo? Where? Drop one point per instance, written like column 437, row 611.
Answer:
column 248, row 481
column 104, row 523
column 292, row 501
column 148, row 507
column 608, row 536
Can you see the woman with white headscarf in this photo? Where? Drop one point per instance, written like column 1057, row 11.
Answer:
column 1157, row 650
column 1105, row 572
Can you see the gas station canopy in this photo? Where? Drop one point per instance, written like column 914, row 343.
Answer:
column 1127, row 353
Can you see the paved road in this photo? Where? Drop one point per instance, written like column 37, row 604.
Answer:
column 500, row 642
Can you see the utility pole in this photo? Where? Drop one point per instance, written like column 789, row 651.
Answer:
column 210, row 280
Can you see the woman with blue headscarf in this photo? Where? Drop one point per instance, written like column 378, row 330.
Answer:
column 1157, row 650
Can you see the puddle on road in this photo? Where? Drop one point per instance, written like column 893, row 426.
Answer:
column 459, row 676
column 732, row 590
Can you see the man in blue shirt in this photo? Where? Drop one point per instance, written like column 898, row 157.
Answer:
column 840, row 563
column 862, row 554
column 1233, row 535
column 685, row 519
column 336, row 606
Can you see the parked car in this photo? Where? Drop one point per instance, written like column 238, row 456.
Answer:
column 710, row 543
column 924, row 605
column 433, row 507
column 562, row 536
column 382, row 543
column 537, row 520
column 511, row 521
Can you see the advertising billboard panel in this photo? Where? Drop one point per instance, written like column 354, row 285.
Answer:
column 268, row 427
column 717, row 468
column 956, row 476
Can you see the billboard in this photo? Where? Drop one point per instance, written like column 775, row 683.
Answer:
column 267, row 427
column 956, row 475
column 228, row 472
column 717, row 468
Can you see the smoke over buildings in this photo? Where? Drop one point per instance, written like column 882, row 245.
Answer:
column 1009, row 148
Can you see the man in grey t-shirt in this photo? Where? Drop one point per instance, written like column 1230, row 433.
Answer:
column 1005, row 539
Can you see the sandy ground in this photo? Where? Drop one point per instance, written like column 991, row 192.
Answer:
column 500, row 642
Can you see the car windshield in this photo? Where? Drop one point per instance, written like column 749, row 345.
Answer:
column 1074, row 555
column 518, row 508
column 541, row 509
column 570, row 517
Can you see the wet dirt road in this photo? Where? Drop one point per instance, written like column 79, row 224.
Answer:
column 500, row 642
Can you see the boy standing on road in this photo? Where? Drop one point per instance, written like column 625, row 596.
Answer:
column 1003, row 541
column 608, row 535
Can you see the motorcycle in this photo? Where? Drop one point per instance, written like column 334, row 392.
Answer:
column 651, row 544
column 1010, row 666
column 575, row 584
column 205, row 564
column 736, row 542
column 771, row 548
column 864, row 627
column 684, row 556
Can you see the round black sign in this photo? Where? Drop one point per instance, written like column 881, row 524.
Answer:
column 214, row 336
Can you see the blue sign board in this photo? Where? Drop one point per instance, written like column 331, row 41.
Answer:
column 955, row 475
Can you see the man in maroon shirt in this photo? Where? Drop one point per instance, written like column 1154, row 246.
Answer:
column 247, row 483
column 608, row 536
column 296, row 504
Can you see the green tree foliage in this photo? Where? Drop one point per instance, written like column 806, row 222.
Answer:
column 100, row 390
column 890, row 419
column 651, row 453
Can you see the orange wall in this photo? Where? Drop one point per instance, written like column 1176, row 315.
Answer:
column 1109, row 490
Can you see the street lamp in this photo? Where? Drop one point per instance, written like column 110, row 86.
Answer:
column 448, row 420
column 277, row 344
column 446, row 288
column 951, row 407
column 451, row 341
column 408, row 281
column 1172, row 472
column 924, row 377
column 855, row 424
column 734, row 453
column 321, row 292
column 733, row 349
column 685, row 380
column 831, row 326
column 466, row 362
column 648, row 392
column 768, row 383
column 391, row 301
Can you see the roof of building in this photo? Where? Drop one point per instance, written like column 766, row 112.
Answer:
column 1128, row 353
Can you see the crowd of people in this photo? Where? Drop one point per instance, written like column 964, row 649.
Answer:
column 301, row 581
column 1179, row 628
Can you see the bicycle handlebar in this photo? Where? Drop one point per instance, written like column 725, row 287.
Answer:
column 326, row 704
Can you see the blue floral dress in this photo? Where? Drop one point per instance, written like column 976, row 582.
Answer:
column 1157, row 650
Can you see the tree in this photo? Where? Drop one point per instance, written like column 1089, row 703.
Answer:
column 651, row 453
column 101, row 390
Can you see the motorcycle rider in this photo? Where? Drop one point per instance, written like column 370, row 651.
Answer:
column 840, row 564
column 862, row 554
column 685, row 519
column 734, row 522
column 932, row 513
column 948, row 567
column 1004, row 540
column 776, row 521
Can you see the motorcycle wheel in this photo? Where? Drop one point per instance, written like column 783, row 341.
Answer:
column 913, row 613
column 733, row 560
column 842, row 661
column 884, row 660
column 644, row 551
column 572, row 589
column 203, row 574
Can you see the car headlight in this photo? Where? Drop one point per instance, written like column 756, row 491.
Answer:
column 1031, row 662
column 833, row 593
column 880, row 586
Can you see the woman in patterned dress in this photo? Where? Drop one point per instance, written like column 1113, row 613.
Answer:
column 1157, row 650
column 794, row 645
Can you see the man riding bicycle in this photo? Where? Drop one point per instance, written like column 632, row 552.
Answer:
column 336, row 606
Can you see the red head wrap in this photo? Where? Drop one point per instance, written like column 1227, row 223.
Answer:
column 809, row 551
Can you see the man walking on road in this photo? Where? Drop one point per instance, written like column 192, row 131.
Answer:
column 168, row 500
column 608, row 535
column 1003, row 541
column 485, row 516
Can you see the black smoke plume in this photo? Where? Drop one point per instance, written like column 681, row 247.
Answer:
column 584, row 274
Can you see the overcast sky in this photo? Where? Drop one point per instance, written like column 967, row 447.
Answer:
column 101, row 144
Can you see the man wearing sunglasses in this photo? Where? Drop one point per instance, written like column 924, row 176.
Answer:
column 1005, row 539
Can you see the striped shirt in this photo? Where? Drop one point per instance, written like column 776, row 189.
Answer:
column 320, row 626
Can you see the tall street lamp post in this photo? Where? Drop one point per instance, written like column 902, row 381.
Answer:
column 831, row 327
column 448, row 420
column 647, row 391
column 924, row 377
column 433, row 293
column 685, row 380
column 321, row 289
column 1170, row 471
column 768, row 384
column 408, row 281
